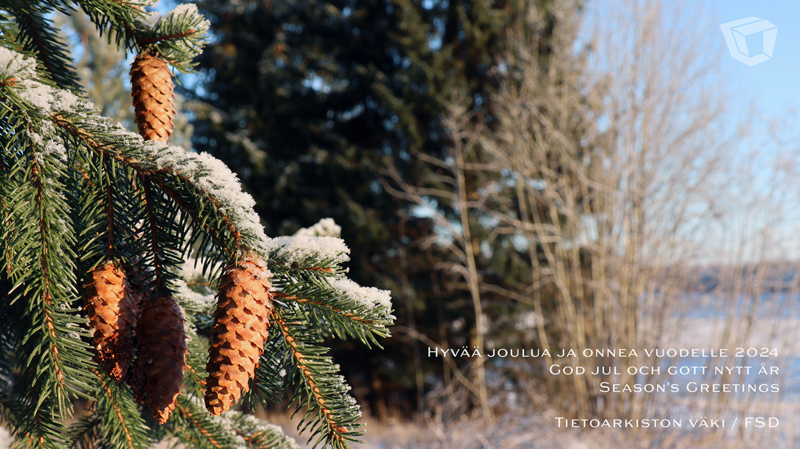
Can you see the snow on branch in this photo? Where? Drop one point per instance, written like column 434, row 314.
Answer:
column 210, row 176
column 371, row 297
column 345, row 308
column 15, row 65
column 189, row 298
column 179, row 35
column 307, row 250
column 257, row 433
column 46, row 99
column 324, row 228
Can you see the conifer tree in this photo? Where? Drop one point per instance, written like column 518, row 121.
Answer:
column 98, row 230
column 332, row 91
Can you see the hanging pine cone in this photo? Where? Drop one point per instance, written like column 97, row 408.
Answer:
column 112, row 314
column 152, row 94
column 158, row 371
column 239, row 332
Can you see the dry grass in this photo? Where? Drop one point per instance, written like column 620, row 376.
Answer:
column 537, row 430
column 531, row 430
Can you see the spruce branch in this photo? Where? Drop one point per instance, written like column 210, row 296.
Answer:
column 8, row 29
column 197, row 183
column 195, row 428
column 273, row 375
column 313, row 253
column 10, row 410
column 154, row 231
column 47, row 286
column 11, row 132
column 39, row 430
column 196, row 359
column 178, row 36
column 341, row 322
column 116, row 19
column 10, row 338
column 122, row 427
column 115, row 422
column 37, row 34
column 109, row 207
column 89, row 206
column 85, row 432
column 40, row 5
column 77, row 190
column 342, row 306
column 331, row 413
column 258, row 434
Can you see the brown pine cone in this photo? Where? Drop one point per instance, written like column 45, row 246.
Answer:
column 239, row 332
column 152, row 94
column 157, row 373
column 112, row 314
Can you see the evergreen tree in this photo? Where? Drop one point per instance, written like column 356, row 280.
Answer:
column 314, row 98
column 99, row 228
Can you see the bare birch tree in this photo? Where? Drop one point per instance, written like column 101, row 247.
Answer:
column 447, row 184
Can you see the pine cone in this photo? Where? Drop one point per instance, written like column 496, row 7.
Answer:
column 158, row 371
column 239, row 332
column 112, row 314
column 152, row 96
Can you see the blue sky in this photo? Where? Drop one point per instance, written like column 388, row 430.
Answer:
column 758, row 128
column 774, row 85
column 772, row 88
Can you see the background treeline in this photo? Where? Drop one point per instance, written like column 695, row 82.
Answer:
column 519, row 173
column 322, row 106
column 316, row 103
